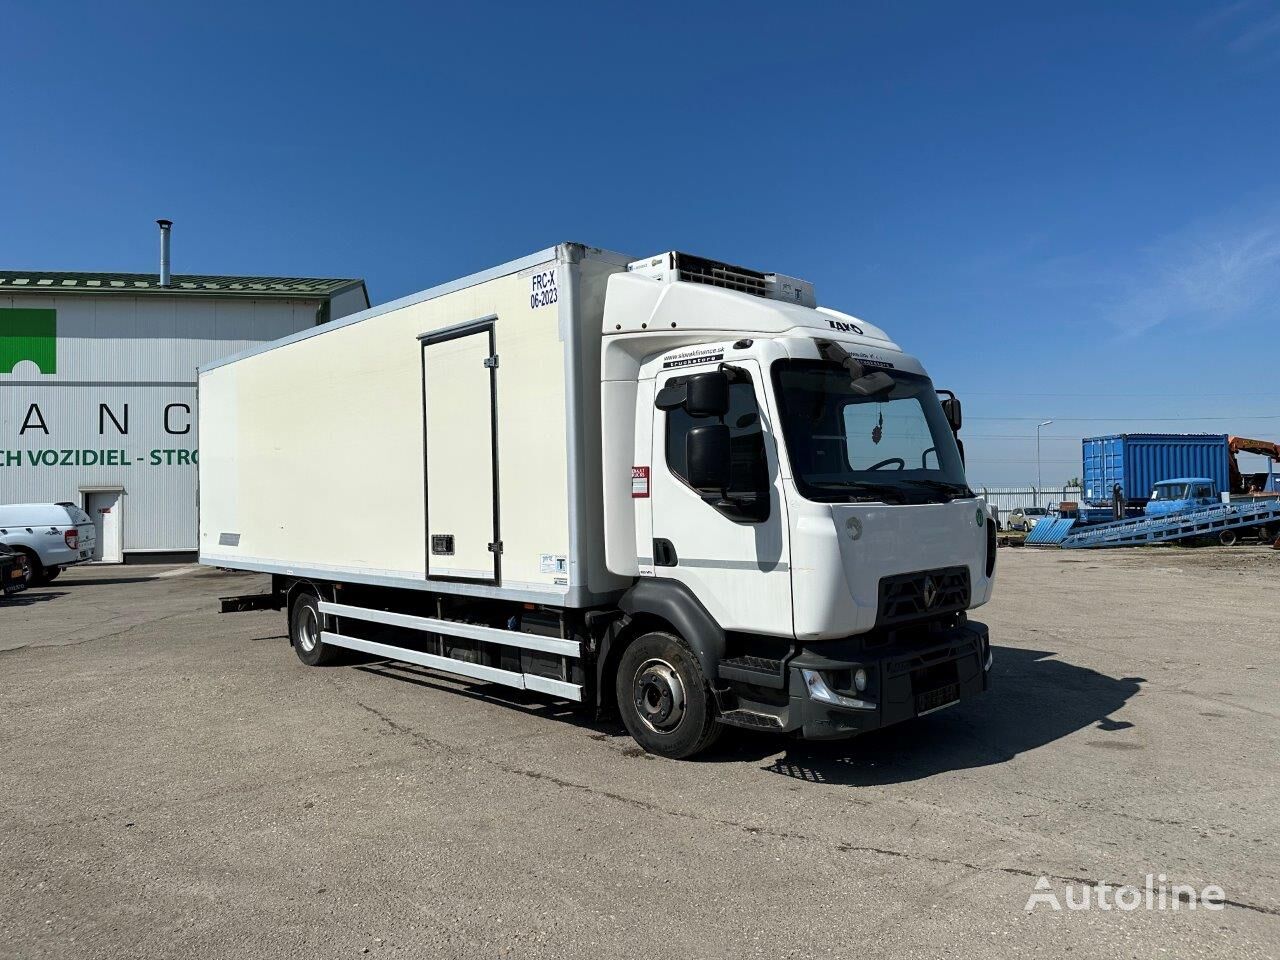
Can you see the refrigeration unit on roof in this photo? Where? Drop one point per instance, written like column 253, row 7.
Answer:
column 685, row 267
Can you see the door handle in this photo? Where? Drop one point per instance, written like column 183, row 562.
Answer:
column 664, row 553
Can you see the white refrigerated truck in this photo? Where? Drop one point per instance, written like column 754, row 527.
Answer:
column 672, row 487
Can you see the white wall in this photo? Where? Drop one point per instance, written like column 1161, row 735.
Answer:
column 136, row 351
column 1009, row 498
column 348, row 302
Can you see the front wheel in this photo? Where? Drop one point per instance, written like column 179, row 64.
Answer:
column 664, row 699
column 305, row 622
column 1228, row 538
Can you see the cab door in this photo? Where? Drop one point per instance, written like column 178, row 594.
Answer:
column 1202, row 495
column 734, row 556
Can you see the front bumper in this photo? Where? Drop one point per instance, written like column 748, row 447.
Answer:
column 953, row 665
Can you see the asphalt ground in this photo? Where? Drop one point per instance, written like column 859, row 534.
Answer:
column 174, row 783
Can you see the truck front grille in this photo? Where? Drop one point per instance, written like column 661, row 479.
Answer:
column 925, row 593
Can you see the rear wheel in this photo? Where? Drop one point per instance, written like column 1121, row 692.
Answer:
column 50, row 574
column 1228, row 538
column 305, row 622
column 663, row 697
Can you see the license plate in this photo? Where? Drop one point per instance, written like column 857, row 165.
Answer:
column 937, row 699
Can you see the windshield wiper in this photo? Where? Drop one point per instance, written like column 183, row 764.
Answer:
column 943, row 486
column 886, row 491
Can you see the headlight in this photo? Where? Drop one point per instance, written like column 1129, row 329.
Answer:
column 818, row 690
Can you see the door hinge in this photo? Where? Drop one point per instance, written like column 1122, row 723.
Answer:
column 495, row 547
column 491, row 362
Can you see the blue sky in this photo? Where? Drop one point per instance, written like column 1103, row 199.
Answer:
column 1068, row 211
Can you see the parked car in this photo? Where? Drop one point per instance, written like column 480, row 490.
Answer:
column 13, row 572
column 1024, row 518
column 47, row 537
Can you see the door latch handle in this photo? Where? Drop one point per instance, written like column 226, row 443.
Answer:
column 664, row 553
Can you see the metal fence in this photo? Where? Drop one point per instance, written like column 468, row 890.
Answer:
column 1005, row 499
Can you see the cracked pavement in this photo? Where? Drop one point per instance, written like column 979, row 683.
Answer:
column 174, row 783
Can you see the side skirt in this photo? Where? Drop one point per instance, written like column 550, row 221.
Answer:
column 463, row 668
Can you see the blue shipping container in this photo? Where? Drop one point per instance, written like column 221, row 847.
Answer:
column 1138, row 461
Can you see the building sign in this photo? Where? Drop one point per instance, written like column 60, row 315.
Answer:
column 27, row 334
column 104, row 431
column 68, row 427
column 89, row 457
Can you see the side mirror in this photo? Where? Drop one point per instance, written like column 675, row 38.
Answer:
column 701, row 395
column 708, row 394
column 707, row 457
column 951, row 410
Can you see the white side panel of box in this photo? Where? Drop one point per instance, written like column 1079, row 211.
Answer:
column 119, row 412
column 322, row 470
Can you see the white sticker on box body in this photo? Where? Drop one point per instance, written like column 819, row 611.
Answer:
column 543, row 291
column 552, row 563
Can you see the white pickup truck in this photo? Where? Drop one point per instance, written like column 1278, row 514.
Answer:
column 47, row 537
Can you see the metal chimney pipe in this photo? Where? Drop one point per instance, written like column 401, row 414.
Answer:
column 165, row 227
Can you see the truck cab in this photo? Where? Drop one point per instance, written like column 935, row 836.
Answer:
column 1185, row 493
column 795, row 495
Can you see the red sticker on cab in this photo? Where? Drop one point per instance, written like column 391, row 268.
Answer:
column 639, row 482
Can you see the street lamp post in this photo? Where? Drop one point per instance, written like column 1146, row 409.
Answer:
column 1038, row 484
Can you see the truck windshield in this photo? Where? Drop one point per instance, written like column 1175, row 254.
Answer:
column 893, row 445
column 1170, row 491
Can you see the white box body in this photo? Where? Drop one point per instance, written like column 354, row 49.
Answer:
column 348, row 451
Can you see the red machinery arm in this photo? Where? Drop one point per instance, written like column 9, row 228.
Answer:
column 1236, row 445
column 1264, row 447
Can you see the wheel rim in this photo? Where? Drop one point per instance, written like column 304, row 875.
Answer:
column 659, row 696
column 309, row 629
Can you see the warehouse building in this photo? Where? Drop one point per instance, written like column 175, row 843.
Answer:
column 98, row 388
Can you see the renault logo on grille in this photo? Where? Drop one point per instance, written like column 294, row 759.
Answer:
column 930, row 593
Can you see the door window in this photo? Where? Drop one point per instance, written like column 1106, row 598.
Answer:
column 749, row 470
